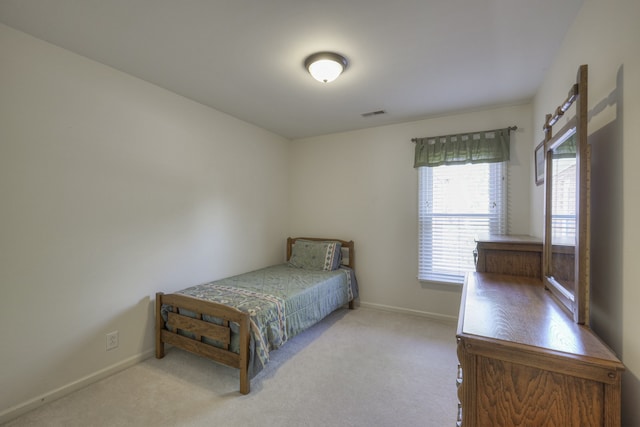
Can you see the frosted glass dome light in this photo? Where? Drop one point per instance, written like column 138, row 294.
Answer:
column 325, row 66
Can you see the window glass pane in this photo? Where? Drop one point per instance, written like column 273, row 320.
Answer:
column 456, row 204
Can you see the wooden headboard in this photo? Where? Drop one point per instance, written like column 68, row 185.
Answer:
column 348, row 254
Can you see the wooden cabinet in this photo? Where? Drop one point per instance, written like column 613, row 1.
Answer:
column 524, row 362
column 517, row 255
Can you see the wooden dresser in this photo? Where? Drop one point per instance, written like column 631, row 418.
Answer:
column 524, row 362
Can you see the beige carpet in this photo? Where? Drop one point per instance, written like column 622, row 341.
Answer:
column 360, row 367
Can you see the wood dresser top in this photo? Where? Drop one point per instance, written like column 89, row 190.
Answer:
column 508, row 238
column 520, row 312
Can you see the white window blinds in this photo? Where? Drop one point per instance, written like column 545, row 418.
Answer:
column 563, row 218
column 457, row 203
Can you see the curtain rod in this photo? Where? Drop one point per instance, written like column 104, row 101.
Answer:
column 510, row 128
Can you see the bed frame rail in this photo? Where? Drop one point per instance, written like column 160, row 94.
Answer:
column 200, row 329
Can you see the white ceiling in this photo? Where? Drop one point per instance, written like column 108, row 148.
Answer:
column 412, row 58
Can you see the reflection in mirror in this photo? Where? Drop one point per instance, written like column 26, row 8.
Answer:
column 563, row 211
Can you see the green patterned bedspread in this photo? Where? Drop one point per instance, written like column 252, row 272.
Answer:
column 281, row 300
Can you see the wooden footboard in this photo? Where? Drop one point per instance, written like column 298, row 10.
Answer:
column 168, row 333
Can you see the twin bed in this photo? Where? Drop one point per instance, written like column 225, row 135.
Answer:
column 236, row 321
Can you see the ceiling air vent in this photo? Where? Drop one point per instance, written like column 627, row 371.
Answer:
column 374, row 113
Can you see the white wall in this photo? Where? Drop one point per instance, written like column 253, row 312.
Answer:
column 605, row 36
column 112, row 189
column 361, row 185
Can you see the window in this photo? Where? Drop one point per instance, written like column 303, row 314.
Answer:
column 456, row 204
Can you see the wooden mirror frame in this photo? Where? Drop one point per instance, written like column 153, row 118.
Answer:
column 576, row 300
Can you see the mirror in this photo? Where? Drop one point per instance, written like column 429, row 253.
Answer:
column 566, row 254
column 562, row 177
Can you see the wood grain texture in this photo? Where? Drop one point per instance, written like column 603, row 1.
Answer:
column 517, row 255
column 514, row 394
column 525, row 362
column 206, row 350
column 528, row 264
column 519, row 310
column 200, row 328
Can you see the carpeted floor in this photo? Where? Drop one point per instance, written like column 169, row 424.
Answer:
column 360, row 367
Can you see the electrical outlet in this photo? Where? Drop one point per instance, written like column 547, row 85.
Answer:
column 112, row 340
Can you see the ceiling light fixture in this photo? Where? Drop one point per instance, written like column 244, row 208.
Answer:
column 325, row 66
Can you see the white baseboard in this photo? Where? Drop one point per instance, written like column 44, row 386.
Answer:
column 23, row 408
column 436, row 316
